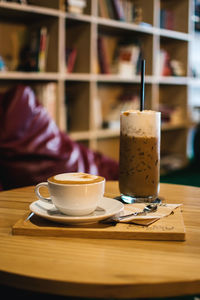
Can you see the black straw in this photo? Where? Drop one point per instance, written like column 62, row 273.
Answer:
column 142, row 86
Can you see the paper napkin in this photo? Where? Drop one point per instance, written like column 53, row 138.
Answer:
column 162, row 211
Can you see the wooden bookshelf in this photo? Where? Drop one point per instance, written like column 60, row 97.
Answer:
column 83, row 93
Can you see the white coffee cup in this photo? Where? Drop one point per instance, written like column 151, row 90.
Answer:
column 74, row 194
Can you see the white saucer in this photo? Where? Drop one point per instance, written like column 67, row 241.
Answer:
column 107, row 208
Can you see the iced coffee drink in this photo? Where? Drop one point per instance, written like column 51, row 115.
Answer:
column 139, row 155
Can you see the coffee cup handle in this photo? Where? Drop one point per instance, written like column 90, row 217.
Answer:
column 37, row 192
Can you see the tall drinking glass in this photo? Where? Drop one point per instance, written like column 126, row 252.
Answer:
column 139, row 155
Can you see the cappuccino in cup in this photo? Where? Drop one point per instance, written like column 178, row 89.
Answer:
column 74, row 194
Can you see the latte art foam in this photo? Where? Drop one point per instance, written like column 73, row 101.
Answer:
column 75, row 178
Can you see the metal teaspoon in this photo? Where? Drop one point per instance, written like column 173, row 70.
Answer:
column 147, row 209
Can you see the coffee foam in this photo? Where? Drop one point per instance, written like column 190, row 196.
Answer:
column 140, row 123
column 75, row 178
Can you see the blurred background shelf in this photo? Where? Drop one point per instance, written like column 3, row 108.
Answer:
column 87, row 56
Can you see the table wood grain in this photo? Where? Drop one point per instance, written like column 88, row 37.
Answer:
column 101, row 268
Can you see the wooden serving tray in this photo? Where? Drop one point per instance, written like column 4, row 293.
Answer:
column 169, row 228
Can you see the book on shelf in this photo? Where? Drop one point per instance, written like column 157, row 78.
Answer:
column 164, row 63
column 128, row 58
column 75, row 6
column 47, row 97
column 34, row 49
column 168, row 66
column 111, row 12
column 43, row 47
column 103, row 59
column 71, row 54
column 196, row 17
column 118, row 56
column 103, row 9
column 166, row 19
column 33, row 57
column 121, row 10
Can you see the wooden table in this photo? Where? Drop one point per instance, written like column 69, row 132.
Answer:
column 101, row 267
